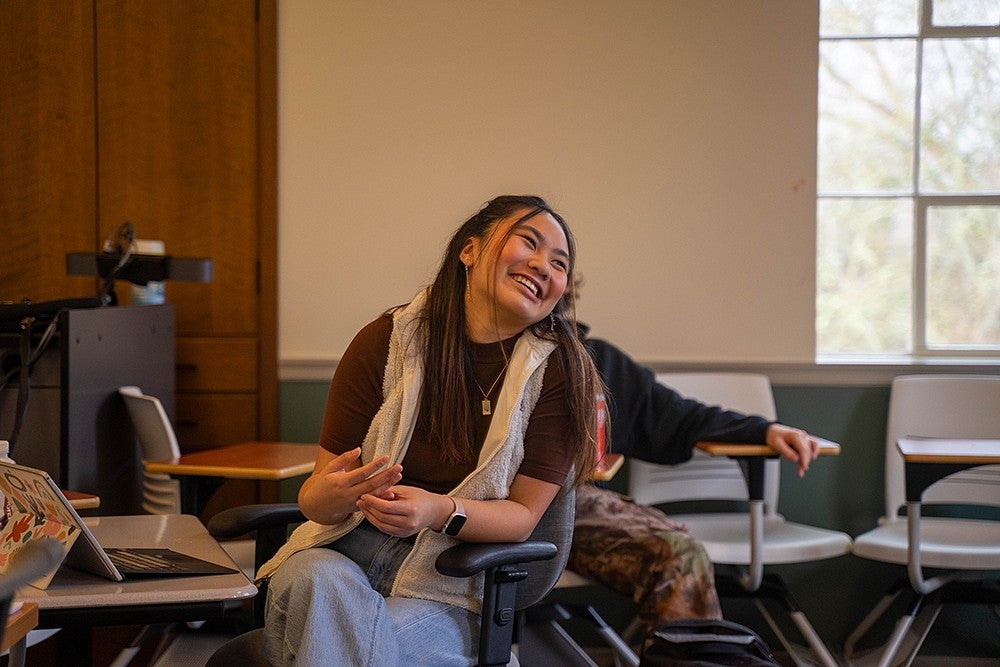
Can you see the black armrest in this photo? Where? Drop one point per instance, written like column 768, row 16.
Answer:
column 269, row 524
column 241, row 520
column 501, row 563
column 469, row 558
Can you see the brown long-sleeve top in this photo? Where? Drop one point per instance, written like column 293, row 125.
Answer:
column 356, row 395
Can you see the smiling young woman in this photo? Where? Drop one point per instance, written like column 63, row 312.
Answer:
column 480, row 379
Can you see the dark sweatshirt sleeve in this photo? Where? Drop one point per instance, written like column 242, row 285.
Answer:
column 654, row 423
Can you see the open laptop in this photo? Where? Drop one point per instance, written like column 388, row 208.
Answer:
column 39, row 509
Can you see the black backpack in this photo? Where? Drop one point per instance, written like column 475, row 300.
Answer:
column 702, row 642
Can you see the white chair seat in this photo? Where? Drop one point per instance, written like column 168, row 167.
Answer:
column 964, row 544
column 724, row 537
column 570, row 579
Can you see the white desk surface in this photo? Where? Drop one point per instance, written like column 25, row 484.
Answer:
column 72, row 588
column 949, row 450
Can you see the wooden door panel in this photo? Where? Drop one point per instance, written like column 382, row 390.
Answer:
column 178, row 145
column 205, row 421
column 47, row 186
column 216, row 364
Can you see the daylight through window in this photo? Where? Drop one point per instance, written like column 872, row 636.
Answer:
column 908, row 205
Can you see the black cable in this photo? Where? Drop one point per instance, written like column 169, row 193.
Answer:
column 122, row 242
column 28, row 358
column 25, row 384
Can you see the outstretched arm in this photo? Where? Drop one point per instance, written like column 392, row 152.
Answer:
column 652, row 422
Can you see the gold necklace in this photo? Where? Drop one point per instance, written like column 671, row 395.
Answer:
column 487, row 405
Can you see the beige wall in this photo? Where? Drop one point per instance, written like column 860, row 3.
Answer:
column 677, row 137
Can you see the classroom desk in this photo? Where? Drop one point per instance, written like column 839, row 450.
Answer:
column 755, row 455
column 82, row 501
column 77, row 601
column 19, row 624
column 926, row 460
column 607, row 467
column 201, row 472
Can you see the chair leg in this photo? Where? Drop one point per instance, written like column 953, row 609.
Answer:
column 868, row 621
column 911, row 630
column 815, row 648
column 545, row 642
column 125, row 656
column 774, row 587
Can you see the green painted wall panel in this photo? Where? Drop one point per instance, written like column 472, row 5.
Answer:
column 843, row 493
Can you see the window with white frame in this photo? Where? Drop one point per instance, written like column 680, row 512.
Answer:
column 908, row 178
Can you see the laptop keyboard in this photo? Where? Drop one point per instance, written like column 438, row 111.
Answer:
column 141, row 562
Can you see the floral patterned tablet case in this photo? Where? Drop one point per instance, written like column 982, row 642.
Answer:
column 37, row 509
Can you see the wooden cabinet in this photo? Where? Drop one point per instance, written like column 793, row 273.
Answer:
column 162, row 114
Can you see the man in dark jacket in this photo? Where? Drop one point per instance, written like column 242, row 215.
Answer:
column 636, row 550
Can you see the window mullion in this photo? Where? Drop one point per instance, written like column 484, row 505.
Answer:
column 919, row 303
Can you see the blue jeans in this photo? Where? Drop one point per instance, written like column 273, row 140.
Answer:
column 330, row 606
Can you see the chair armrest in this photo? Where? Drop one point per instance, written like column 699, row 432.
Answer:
column 269, row 524
column 500, row 561
column 469, row 558
column 237, row 521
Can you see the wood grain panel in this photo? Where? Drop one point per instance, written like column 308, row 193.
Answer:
column 216, row 364
column 204, row 421
column 178, row 137
column 47, row 182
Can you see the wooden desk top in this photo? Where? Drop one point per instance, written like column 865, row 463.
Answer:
column 19, row 624
column 247, row 460
column 82, row 501
column 946, row 450
column 826, row 448
column 607, row 467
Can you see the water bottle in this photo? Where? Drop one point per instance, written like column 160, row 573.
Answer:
column 4, row 456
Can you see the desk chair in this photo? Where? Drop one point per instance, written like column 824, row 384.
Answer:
column 962, row 551
column 30, row 562
column 161, row 494
column 739, row 543
column 747, row 541
column 517, row 575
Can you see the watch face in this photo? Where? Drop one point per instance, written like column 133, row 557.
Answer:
column 454, row 524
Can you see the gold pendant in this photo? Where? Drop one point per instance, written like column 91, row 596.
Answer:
column 487, row 407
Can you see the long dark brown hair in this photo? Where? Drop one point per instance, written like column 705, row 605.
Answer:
column 450, row 362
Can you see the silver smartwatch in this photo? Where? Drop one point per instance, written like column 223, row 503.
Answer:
column 456, row 520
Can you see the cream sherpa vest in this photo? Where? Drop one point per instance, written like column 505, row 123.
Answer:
column 390, row 432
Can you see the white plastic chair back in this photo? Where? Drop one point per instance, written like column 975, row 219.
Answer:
column 707, row 477
column 943, row 406
column 160, row 493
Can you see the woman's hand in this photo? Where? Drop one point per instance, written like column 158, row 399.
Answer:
column 338, row 481
column 794, row 444
column 405, row 510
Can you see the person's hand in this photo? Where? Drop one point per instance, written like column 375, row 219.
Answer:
column 405, row 510
column 794, row 444
column 336, row 486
